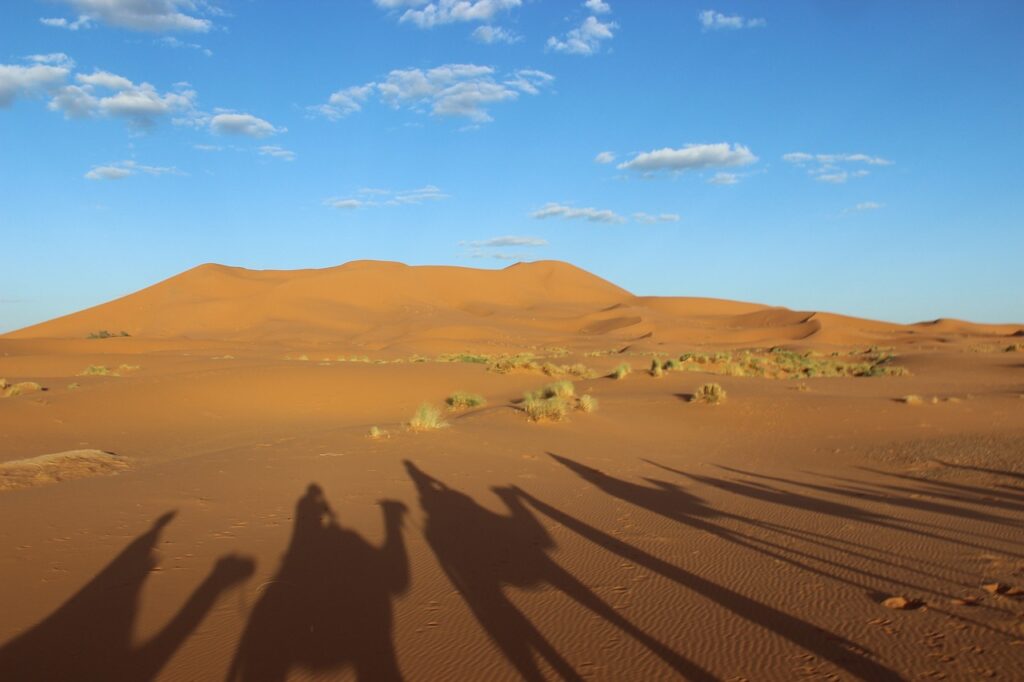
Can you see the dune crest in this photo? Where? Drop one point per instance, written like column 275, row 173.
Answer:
column 384, row 304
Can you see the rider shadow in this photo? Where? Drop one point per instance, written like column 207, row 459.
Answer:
column 330, row 602
column 482, row 552
column 90, row 636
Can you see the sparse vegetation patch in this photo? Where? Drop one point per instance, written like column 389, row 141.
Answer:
column 104, row 334
column 622, row 371
column 462, row 399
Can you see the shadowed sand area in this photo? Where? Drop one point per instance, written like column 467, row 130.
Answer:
column 653, row 538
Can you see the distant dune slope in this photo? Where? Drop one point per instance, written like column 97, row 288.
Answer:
column 374, row 304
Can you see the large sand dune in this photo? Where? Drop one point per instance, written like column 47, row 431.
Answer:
column 200, row 499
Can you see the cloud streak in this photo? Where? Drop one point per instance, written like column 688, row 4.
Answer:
column 690, row 157
column 710, row 20
column 136, row 15
column 450, row 90
column 593, row 215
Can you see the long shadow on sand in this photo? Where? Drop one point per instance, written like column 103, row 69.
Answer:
column 90, row 636
column 482, row 552
column 329, row 605
column 842, row 653
column 675, row 503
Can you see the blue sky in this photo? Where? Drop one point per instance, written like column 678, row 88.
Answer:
column 859, row 157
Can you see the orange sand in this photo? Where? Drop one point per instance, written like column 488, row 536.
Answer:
column 251, row 531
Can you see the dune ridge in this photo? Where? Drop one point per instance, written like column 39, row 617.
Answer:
column 382, row 304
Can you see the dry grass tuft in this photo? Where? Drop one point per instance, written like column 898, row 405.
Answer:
column 377, row 433
column 622, row 371
column 462, row 399
column 912, row 400
column 10, row 390
column 427, row 418
column 712, row 394
column 60, row 466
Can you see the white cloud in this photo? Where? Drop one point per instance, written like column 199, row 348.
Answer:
column 585, row 39
column 429, row 14
column 277, row 152
column 605, row 157
column 102, row 94
column 25, row 81
column 649, row 219
column 724, row 179
column 691, row 157
column 461, row 90
column 52, row 59
column 386, row 197
column 594, row 215
column 137, row 15
column 598, row 6
column 498, row 242
column 830, row 167
column 230, row 123
column 345, row 203
column 123, row 169
column 711, row 20
column 171, row 41
column 494, row 34
column 867, row 206
column 61, row 22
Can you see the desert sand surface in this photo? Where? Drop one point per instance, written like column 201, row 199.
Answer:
column 199, row 498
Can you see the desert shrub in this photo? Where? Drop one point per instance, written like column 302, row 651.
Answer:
column 622, row 371
column 104, row 334
column 427, row 418
column 377, row 433
column 1015, row 348
column 912, row 400
column 461, row 399
column 73, row 386
column 587, row 403
column 464, row 357
column 545, row 409
column 656, row 370
column 96, row 371
column 511, row 363
column 558, row 389
column 712, row 394
column 672, row 365
column 722, row 357
column 11, row 390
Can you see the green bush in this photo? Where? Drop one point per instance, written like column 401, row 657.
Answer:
column 622, row 371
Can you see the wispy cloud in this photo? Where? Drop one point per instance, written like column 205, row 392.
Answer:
column 499, row 242
column 594, row 215
column 586, row 38
column 711, row 20
column 171, row 41
column 835, row 168
column 724, row 179
column 649, row 219
column 277, row 152
column 232, row 123
column 458, row 90
column 690, row 157
column 123, row 169
column 426, row 14
column 490, row 35
column 372, row 197
column 865, row 206
column 137, row 15
column 605, row 157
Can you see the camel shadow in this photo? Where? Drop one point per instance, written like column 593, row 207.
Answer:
column 90, row 637
column 481, row 552
column 329, row 605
